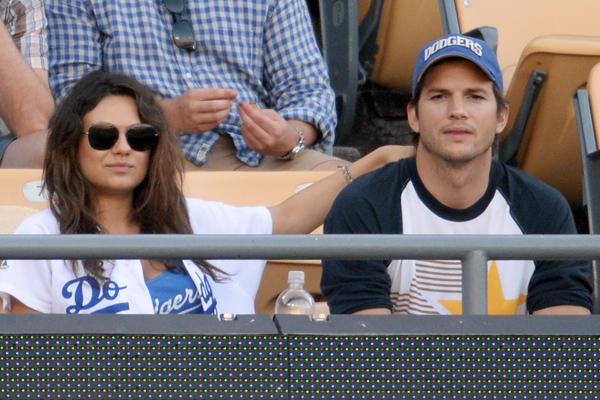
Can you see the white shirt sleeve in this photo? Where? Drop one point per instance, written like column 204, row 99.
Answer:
column 237, row 292
column 30, row 281
column 213, row 218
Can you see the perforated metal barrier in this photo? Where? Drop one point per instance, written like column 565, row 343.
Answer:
column 408, row 357
column 141, row 357
column 252, row 357
column 345, row 357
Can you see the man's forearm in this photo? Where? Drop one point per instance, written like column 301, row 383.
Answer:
column 25, row 100
column 311, row 135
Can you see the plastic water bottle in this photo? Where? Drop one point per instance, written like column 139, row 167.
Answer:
column 295, row 299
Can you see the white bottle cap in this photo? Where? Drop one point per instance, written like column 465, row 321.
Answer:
column 296, row 277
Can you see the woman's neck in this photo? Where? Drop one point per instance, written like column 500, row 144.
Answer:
column 115, row 215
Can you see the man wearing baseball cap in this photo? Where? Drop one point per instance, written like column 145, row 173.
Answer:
column 453, row 186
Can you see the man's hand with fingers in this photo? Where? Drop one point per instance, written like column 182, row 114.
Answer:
column 268, row 133
column 199, row 110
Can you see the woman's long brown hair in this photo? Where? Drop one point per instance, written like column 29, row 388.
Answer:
column 158, row 202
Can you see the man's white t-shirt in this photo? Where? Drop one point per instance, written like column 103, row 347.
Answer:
column 51, row 286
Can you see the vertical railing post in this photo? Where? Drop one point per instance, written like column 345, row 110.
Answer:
column 474, row 283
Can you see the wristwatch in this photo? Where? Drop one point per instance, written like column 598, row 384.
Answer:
column 293, row 153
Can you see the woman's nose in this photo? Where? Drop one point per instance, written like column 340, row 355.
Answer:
column 122, row 145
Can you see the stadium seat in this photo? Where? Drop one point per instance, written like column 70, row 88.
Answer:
column 545, row 49
column 518, row 22
column 587, row 106
column 373, row 38
column 541, row 135
column 22, row 187
column 20, row 197
column 11, row 217
column 403, row 26
column 261, row 188
column 406, row 25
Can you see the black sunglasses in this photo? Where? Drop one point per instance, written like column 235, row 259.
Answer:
column 183, row 31
column 140, row 137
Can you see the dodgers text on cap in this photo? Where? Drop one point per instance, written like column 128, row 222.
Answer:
column 453, row 41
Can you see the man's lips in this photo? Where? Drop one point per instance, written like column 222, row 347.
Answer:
column 458, row 130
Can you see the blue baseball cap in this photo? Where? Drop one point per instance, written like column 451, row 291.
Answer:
column 477, row 51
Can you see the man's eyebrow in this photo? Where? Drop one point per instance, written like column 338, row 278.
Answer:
column 436, row 90
column 474, row 89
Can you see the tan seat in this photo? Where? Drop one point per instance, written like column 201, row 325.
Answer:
column 12, row 216
column 20, row 197
column 261, row 188
column 587, row 107
column 557, row 38
column 593, row 87
column 550, row 147
column 518, row 22
column 347, row 32
column 22, row 187
column 592, row 166
column 405, row 26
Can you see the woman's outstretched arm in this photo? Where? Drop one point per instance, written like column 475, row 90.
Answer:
column 307, row 209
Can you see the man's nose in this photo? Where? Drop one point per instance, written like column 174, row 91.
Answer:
column 456, row 107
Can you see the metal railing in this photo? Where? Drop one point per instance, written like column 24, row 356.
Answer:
column 473, row 250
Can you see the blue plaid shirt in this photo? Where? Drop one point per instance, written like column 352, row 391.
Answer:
column 264, row 49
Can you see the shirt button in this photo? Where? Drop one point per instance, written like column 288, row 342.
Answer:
column 202, row 151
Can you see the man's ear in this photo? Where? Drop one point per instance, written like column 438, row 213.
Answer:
column 413, row 118
column 502, row 118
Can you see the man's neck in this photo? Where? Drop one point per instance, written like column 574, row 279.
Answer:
column 456, row 185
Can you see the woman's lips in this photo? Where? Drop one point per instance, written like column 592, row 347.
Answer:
column 120, row 167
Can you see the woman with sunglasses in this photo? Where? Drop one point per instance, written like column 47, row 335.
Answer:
column 112, row 167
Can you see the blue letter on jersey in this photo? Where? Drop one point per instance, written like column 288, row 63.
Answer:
column 108, row 291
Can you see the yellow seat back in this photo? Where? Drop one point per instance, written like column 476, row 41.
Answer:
column 593, row 87
column 12, row 216
column 518, row 22
column 550, row 149
column 22, row 187
column 266, row 188
column 406, row 25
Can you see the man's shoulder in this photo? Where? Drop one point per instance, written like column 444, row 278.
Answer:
column 519, row 183
column 537, row 206
column 372, row 202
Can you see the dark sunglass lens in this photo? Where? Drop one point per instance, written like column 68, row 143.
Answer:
column 174, row 6
column 183, row 35
column 103, row 137
column 142, row 137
